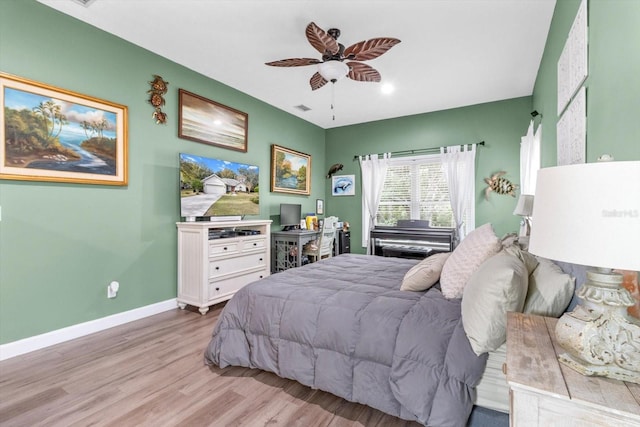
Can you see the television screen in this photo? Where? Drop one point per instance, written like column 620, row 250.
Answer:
column 214, row 187
column 290, row 215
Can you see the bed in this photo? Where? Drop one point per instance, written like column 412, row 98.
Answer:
column 343, row 325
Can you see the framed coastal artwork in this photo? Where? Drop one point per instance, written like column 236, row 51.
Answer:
column 343, row 185
column 54, row 134
column 290, row 171
column 206, row 121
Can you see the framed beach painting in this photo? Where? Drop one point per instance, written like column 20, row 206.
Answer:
column 206, row 121
column 343, row 185
column 290, row 171
column 53, row 134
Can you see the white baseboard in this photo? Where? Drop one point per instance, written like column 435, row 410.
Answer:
column 26, row 345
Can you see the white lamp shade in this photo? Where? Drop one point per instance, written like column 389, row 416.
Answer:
column 589, row 214
column 333, row 70
column 524, row 206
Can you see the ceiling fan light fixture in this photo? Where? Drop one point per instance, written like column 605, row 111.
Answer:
column 332, row 71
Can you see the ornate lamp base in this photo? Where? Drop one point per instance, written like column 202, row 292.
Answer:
column 599, row 336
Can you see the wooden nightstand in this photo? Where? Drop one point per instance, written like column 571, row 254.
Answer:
column 544, row 392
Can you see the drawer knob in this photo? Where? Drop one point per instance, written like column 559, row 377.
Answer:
column 225, row 248
column 255, row 244
column 260, row 259
column 217, row 289
column 217, row 268
column 261, row 276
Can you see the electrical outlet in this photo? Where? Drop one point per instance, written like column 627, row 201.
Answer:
column 112, row 289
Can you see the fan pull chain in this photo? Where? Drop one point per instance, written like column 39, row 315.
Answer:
column 333, row 100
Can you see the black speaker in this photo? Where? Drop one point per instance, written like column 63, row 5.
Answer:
column 344, row 242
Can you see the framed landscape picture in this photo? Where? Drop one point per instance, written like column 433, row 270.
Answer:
column 53, row 134
column 203, row 120
column 290, row 171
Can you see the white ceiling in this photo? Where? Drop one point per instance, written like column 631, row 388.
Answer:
column 453, row 52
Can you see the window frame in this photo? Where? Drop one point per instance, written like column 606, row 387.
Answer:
column 415, row 187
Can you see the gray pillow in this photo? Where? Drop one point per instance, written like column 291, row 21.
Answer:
column 550, row 290
column 498, row 286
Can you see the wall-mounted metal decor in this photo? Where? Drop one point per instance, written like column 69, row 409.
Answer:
column 158, row 88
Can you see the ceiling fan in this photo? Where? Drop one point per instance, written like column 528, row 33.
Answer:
column 332, row 67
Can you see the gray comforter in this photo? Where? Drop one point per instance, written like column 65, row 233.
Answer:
column 342, row 325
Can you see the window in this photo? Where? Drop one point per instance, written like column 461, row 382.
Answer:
column 415, row 188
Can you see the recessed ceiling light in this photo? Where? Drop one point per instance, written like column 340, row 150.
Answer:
column 387, row 88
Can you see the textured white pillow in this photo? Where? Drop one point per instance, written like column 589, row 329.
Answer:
column 424, row 274
column 478, row 246
column 498, row 286
column 550, row 290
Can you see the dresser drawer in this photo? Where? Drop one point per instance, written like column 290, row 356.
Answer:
column 226, row 246
column 223, row 267
column 254, row 244
column 219, row 288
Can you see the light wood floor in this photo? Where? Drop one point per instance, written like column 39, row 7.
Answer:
column 151, row 373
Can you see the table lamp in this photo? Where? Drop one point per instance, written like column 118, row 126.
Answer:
column 524, row 208
column 589, row 214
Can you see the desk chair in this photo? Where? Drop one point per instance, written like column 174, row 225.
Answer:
column 324, row 245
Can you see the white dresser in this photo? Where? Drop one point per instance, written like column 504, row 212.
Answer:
column 545, row 392
column 215, row 259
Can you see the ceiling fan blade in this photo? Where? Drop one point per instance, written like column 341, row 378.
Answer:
column 317, row 81
column 293, row 62
column 320, row 40
column 363, row 72
column 369, row 49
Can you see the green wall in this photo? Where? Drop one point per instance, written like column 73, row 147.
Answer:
column 499, row 124
column 613, row 83
column 62, row 244
column 613, row 109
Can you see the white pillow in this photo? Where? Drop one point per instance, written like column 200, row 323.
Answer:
column 498, row 286
column 478, row 246
column 424, row 274
column 550, row 290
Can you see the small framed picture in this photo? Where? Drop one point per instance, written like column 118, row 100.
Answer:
column 319, row 207
column 343, row 185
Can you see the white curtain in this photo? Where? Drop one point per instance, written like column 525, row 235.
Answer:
column 459, row 167
column 530, row 159
column 374, row 171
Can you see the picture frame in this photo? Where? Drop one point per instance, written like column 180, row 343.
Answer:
column 290, row 171
column 343, row 185
column 319, row 207
column 209, row 122
column 571, row 131
column 54, row 134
